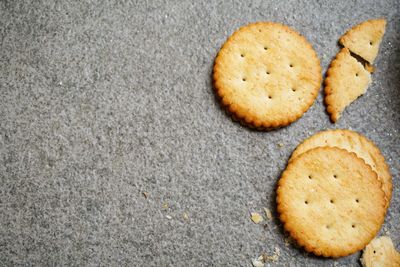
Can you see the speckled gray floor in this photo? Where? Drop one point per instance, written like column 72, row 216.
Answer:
column 100, row 102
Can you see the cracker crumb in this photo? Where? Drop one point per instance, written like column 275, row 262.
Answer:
column 259, row 262
column 268, row 213
column 275, row 256
column 168, row 217
column 185, row 216
column 386, row 231
column 165, row 205
column 256, row 217
column 288, row 240
column 280, row 144
column 145, row 194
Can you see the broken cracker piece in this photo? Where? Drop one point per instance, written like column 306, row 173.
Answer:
column 145, row 194
column 268, row 213
column 259, row 262
column 380, row 253
column 185, row 216
column 288, row 241
column 275, row 256
column 256, row 217
column 364, row 39
column 345, row 81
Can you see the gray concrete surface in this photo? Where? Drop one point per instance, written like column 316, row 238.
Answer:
column 101, row 101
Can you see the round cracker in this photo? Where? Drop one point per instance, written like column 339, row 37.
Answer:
column 330, row 201
column 352, row 142
column 267, row 75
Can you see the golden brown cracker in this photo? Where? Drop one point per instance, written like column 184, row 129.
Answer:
column 330, row 201
column 352, row 142
column 267, row 75
column 364, row 39
column 381, row 253
column 345, row 81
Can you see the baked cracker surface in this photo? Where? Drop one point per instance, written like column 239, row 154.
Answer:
column 364, row 39
column 267, row 75
column 330, row 201
column 381, row 253
column 346, row 80
column 352, row 142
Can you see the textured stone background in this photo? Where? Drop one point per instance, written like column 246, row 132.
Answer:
column 101, row 101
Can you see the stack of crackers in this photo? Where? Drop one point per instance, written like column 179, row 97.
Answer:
column 334, row 193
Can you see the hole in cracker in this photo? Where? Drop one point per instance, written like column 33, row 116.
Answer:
column 265, row 48
column 306, row 202
column 243, row 79
column 374, row 251
column 310, row 177
column 294, row 89
column 332, row 201
column 357, row 200
column 353, row 225
column 270, row 97
column 259, row 30
column 291, row 65
column 370, row 43
column 327, row 227
column 357, row 74
column 335, row 176
column 267, row 72
column 242, row 55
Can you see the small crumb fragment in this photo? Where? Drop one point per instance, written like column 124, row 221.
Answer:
column 268, row 213
column 168, row 217
column 275, row 257
column 259, row 262
column 145, row 194
column 256, row 218
column 280, row 144
column 386, row 231
column 165, row 205
column 288, row 240
column 185, row 216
